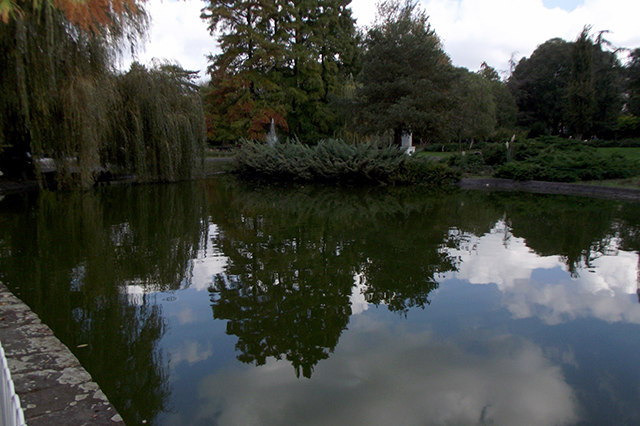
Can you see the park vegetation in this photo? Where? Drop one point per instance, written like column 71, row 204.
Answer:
column 63, row 98
column 394, row 79
column 332, row 160
column 337, row 97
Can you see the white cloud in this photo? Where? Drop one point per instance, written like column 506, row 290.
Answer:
column 186, row 315
column 606, row 291
column 474, row 31
column 191, row 352
column 383, row 376
column 209, row 262
column 178, row 34
column 357, row 299
column 364, row 11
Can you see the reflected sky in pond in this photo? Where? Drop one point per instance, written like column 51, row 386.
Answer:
column 258, row 305
column 464, row 359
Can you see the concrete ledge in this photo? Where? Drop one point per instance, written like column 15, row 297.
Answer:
column 53, row 387
column 539, row 187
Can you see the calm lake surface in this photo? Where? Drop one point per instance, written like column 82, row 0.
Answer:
column 227, row 303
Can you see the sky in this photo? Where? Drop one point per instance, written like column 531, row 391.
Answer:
column 472, row 31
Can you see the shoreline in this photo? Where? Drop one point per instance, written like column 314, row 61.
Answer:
column 54, row 389
column 560, row 188
column 483, row 184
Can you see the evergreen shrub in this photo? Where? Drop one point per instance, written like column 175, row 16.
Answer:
column 336, row 161
column 469, row 162
column 620, row 143
column 562, row 160
column 425, row 172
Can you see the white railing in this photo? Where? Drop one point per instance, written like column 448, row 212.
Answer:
column 10, row 410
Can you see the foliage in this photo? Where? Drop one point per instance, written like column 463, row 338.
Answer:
column 564, row 161
column 62, row 99
column 55, row 85
column 468, row 162
column 539, row 83
column 632, row 83
column 424, row 172
column 157, row 130
column 569, row 87
column 405, row 75
column 506, row 110
column 328, row 160
column 474, row 114
column 279, row 61
column 89, row 15
column 335, row 161
column 581, row 90
column 494, row 154
column 622, row 143
column 628, row 124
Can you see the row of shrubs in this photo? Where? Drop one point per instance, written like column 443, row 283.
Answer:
column 546, row 159
column 336, row 161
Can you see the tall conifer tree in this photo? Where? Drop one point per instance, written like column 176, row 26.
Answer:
column 406, row 76
column 280, row 60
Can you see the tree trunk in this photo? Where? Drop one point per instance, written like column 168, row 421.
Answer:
column 397, row 136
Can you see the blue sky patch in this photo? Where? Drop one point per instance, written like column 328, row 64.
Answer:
column 568, row 5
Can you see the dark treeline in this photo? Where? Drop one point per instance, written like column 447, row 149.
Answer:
column 577, row 89
column 300, row 67
column 306, row 68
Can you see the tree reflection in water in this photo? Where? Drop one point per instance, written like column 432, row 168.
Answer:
column 294, row 253
column 290, row 276
column 295, row 256
column 76, row 258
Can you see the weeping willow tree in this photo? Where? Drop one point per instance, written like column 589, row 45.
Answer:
column 62, row 96
column 158, row 128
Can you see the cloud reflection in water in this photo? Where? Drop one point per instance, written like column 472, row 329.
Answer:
column 382, row 375
column 539, row 286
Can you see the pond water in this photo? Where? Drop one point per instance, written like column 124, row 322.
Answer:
column 223, row 302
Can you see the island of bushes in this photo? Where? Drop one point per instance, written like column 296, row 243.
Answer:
column 550, row 159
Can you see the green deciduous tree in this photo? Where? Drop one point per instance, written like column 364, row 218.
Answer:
column 581, row 95
column 539, row 85
column 62, row 97
column 609, row 87
column 506, row 108
column 628, row 123
column 55, row 80
column 632, row 83
column 474, row 113
column 569, row 87
column 405, row 75
column 157, row 129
